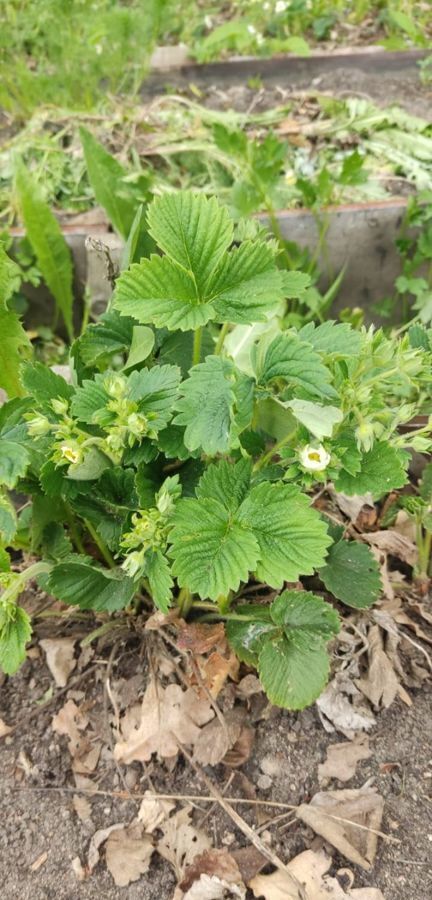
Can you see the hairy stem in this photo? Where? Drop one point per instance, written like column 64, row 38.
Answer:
column 184, row 602
column 221, row 338
column 101, row 545
column 275, row 449
column 197, row 346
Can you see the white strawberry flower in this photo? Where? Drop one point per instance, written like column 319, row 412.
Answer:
column 315, row 459
column 280, row 6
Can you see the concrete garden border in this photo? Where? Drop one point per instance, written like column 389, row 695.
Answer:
column 359, row 236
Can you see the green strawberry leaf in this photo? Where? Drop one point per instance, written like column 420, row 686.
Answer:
column 352, row 574
column 292, row 537
column 382, row 470
column 212, row 552
column 15, row 632
column 84, row 585
column 293, row 672
column 158, row 572
column 199, row 279
column 208, row 407
column 290, row 360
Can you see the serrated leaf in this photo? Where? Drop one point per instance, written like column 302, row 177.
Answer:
column 142, row 344
column 51, row 250
column 247, row 631
column 200, row 280
column 14, row 344
column 291, row 536
column 8, row 521
column 226, row 483
column 318, row 419
column 14, row 459
column 352, row 574
column 10, row 277
column 158, row 292
column 85, row 585
column 293, row 361
column 382, row 470
column 331, row 338
column 4, row 561
column 293, row 673
column 106, row 177
column 158, row 573
column 43, row 385
column 247, row 285
column 171, row 443
column 212, row 553
column 193, row 230
column 301, row 610
column 89, row 399
column 419, row 337
column 208, row 408
column 295, row 284
column 206, row 405
column 112, row 334
column 15, row 631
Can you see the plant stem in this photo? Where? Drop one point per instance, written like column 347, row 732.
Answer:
column 184, row 602
column 224, row 603
column 221, row 338
column 11, row 593
column 197, row 347
column 74, row 533
column 275, row 449
column 105, row 553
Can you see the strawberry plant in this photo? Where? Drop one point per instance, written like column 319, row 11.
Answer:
column 183, row 459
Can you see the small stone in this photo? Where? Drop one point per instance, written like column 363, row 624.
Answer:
column 131, row 778
column 228, row 838
column 292, row 737
column 270, row 765
column 264, row 782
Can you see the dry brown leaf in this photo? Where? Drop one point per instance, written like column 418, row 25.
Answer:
column 86, row 757
column 395, row 544
column 405, row 525
column 380, row 684
column 168, row 717
column 217, row 738
column 60, row 658
column 96, row 842
column 212, row 862
column 353, row 506
column 78, row 869
column 4, row 729
column 342, row 759
column 338, row 713
column 210, row 887
column 367, row 893
column 215, row 670
column 310, row 869
column 128, row 854
column 200, row 638
column 153, row 812
column 241, row 750
column 331, row 814
column 248, row 686
column 181, row 842
column 70, row 721
column 82, row 807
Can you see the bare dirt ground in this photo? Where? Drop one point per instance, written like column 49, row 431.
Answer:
column 42, row 834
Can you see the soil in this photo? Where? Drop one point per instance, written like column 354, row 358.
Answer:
column 382, row 88
column 42, row 834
